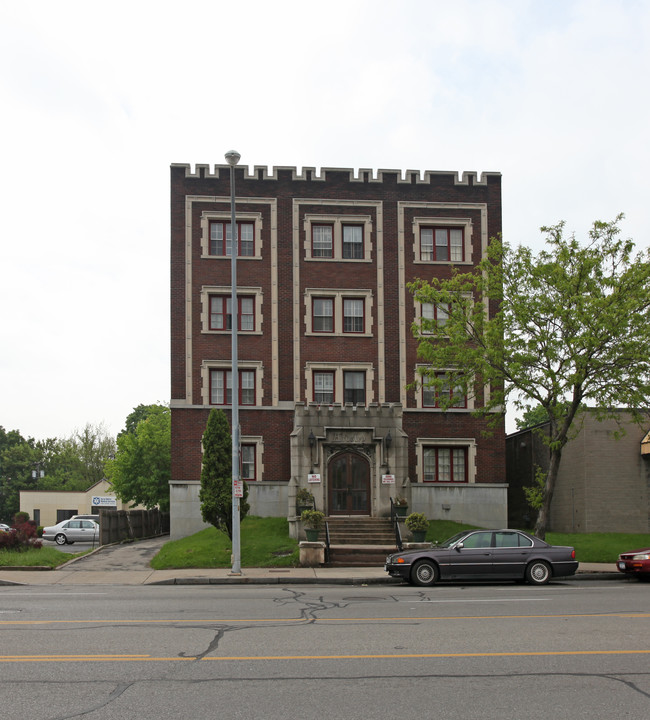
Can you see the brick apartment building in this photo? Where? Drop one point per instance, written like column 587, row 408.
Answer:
column 326, row 352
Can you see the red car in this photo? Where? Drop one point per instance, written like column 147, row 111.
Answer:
column 636, row 562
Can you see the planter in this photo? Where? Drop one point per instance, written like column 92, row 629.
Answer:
column 418, row 536
column 401, row 510
column 300, row 508
column 312, row 535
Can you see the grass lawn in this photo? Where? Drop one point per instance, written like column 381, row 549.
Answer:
column 600, row 547
column 265, row 542
column 43, row 557
column 589, row 547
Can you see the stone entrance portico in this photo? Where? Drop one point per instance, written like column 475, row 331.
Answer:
column 325, row 437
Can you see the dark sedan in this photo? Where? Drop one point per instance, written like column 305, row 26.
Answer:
column 484, row 555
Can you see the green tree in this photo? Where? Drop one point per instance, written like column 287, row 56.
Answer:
column 532, row 416
column 139, row 413
column 566, row 327
column 76, row 462
column 216, row 475
column 17, row 458
column 141, row 470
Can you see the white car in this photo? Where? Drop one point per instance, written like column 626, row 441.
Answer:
column 71, row 531
column 4, row 528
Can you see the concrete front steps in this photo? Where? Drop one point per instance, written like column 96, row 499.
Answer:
column 360, row 541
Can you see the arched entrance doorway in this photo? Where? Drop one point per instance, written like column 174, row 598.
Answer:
column 348, row 481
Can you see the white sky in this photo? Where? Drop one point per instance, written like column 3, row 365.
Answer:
column 99, row 99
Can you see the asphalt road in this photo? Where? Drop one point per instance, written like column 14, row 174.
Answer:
column 502, row 651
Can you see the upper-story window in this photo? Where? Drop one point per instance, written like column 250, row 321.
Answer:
column 353, row 315
column 221, row 313
column 338, row 237
column 433, row 316
column 353, row 242
column 324, row 387
column 337, row 312
column 442, row 240
column 441, row 244
column 221, row 387
column 439, row 396
column 221, row 238
column 334, row 382
column 322, row 241
column 354, row 387
column 323, row 319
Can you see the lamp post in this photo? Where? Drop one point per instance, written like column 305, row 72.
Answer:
column 232, row 158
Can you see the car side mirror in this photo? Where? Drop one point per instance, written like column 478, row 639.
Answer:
column 460, row 546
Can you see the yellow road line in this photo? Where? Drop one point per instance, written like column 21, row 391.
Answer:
column 365, row 656
column 446, row 618
column 391, row 656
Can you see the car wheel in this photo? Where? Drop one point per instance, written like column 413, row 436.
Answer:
column 424, row 572
column 538, row 573
column 60, row 539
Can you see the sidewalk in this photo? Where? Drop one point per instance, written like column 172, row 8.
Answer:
column 128, row 564
column 249, row 576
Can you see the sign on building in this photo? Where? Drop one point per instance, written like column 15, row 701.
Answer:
column 103, row 501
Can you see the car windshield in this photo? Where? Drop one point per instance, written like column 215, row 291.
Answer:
column 452, row 540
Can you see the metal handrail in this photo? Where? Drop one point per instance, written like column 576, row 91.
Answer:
column 394, row 520
column 327, row 542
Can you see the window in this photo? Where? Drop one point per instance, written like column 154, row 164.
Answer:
column 322, row 241
column 221, row 387
column 339, row 312
column 478, row 540
column 221, row 238
column 354, row 387
column 445, row 464
column 248, row 462
column 352, row 242
column 338, row 236
column 508, row 539
column 324, row 387
column 353, row 320
column 433, row 315
column 329, row 383
column 432, row 395
column 323, row 315
column 221, row 315
column 441, row 244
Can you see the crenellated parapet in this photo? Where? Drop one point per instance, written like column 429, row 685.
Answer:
column 337, row 413
column 362, row 175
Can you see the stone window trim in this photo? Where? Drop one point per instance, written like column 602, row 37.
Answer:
column 209, row 215
column 337, row 221
column 417, row 378
column 468, row 443
column 337, row 369
column 208, row 290
column 338, row 296
column 208, row 365
column 464, row 224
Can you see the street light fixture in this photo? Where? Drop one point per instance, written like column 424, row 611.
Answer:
column 232, row 158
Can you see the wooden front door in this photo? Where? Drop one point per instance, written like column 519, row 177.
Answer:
column 349, row 485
